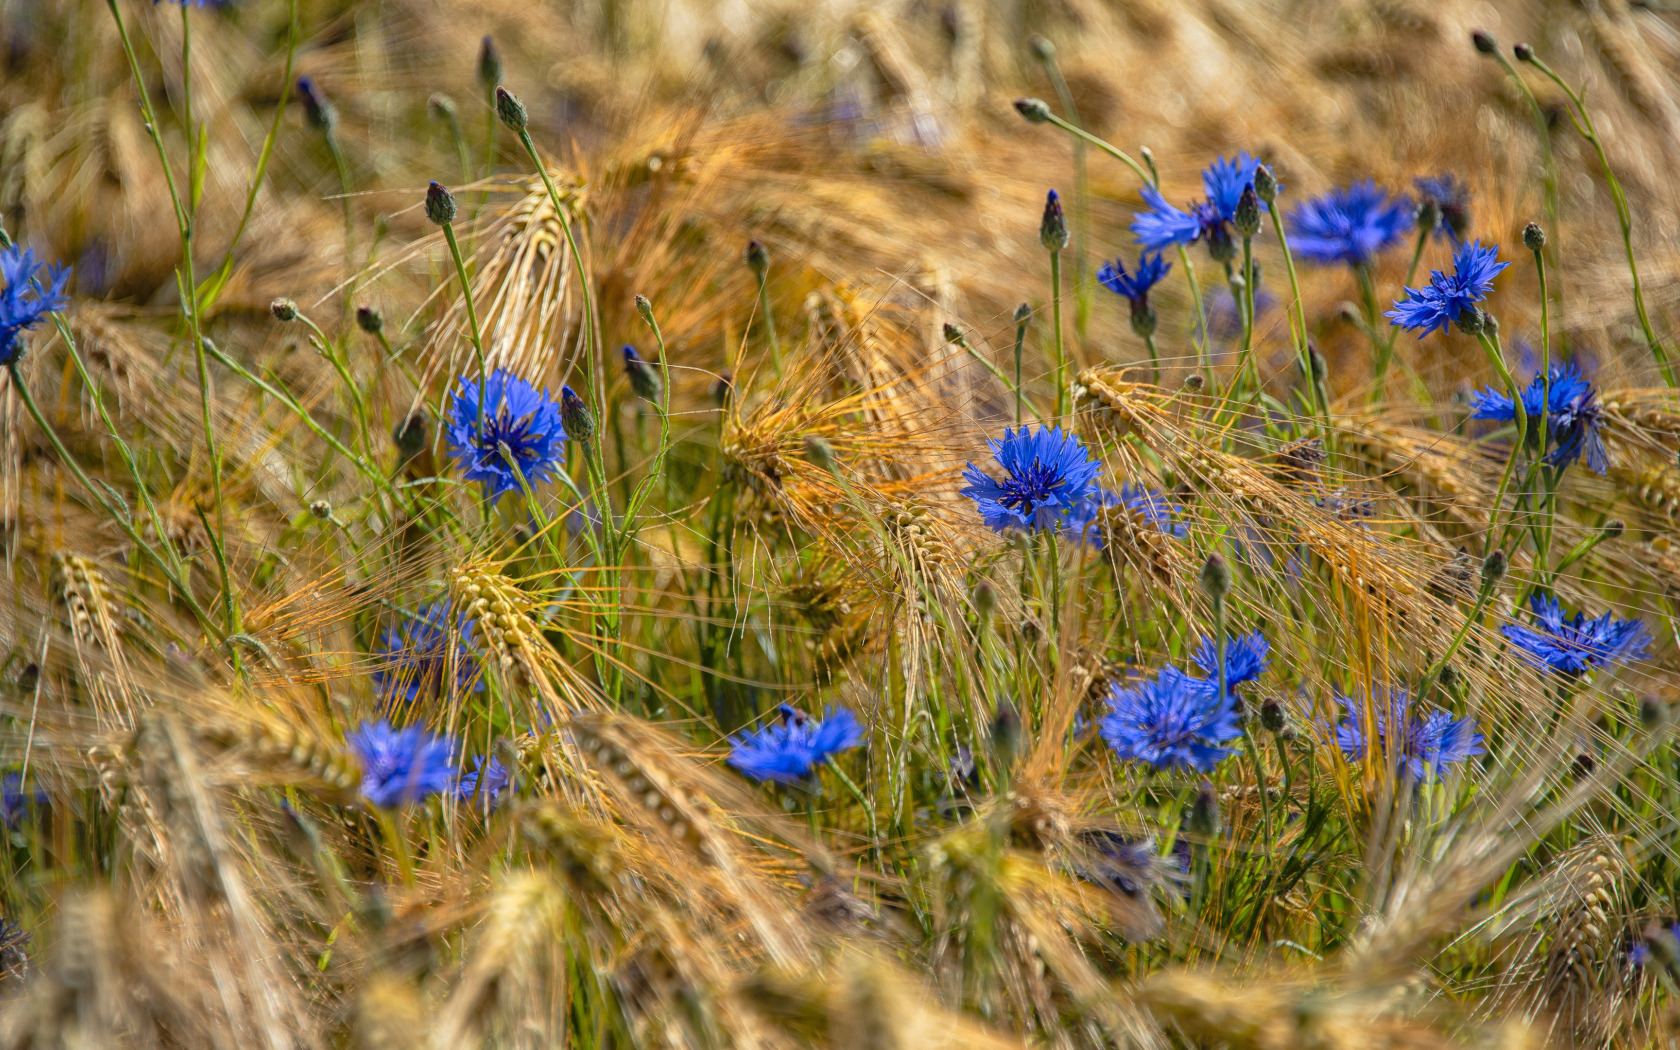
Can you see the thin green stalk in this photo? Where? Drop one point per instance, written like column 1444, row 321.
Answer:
column 1368, row 307
column 472, row 318
column 326, row 348
column 1154, row 360
column 1298, row 329
column 1435, row 668
column 1056, row 332
column 1113, row 151
column 1584, row 124
column 1543, row 555
column 343, row 168
column 1082, row 284
column 1020, row 339
column 961, row 340
column 1550, row 182
column 769, row 321
column 1496, row 357
column 1201, row 314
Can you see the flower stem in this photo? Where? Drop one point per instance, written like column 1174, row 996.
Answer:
column 1056, row 332
column 1496, row 356
column 472, row 318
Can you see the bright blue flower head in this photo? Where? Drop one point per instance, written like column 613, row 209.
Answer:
column 517, row 416
column 1440, row 302
column 1172, row 721
column 417, row 652
column 15, row 801
column 1452, row 204
column 1350, row 225
column 789, row 751
column 1148, row 504
column 1046, row 475
column 1163, row 224
column 1423, row 745
column 1135, row 285
column 1572, row 415
column 1572, row 646
column 1246, row 658
column 495, row 782
column 400, row 766
column 23, row 305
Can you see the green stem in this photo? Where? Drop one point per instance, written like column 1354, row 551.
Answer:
column 1020, row 339
column 1056, row 331
column 1298, row 329
column 472, row 318
column 1154, row 359
column 769, row 322
column 1496, row 357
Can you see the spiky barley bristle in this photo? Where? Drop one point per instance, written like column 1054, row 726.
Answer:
column 87, row 600
column 500, row 608
column 276, row 744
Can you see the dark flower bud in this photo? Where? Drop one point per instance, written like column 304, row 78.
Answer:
column 440, row 107
column 1205, row 818
column 575, row 416
column 985, row 599
column 1524, row 52
column 953, row 333
column 1033, row 109
column 410, row 435
column 1349, row 314
column 440, row 204
column 1149, row 162
column 1534, row 237
column 1320, row 367
column 1053, row 228
column 370, row 320
column 1219, row 244
column 1429, row 214
column 1006, row 732
column 316, row 109
column 1652, row 713
column 1194, row 382
column 1216, row 577
column 1471, row 320
column 1265, row 184
column 1247, row 216
column 1484, row 41
column 644, row 381
column 724, row 388
column 758, row 257
column 321, row 509
column 1584, row 766
column 1271, row 716
column 510, row 110
column 1023, row 313
column 1449, row 676
column 1614, row 528
column 1490, row 324
column 283, row 310
column 1143, row 317
column 1493, row 567
column 818, row 452
column 1042, row 48
column 644, row 309
column 489, row 63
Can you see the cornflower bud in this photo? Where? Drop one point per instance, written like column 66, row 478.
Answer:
column 645, row 309
column 724, row 388
column 1205, row 818
column 510, row 110
column 1042, row 48
column 574, row 416
column 1320, row 367
column 758, row 257
column 1493, row 567
column 316, row 109
column 1006, row 732
column 1265, row 184
column 1534, row 237
column 1194, row 382
column 1614, row 528
column 1023, row 313
column 370, row 320
column 1216, row 577
column 1652, row 713
column 1471, row 320
column 985, row 599
column 1143, row 318
column 1053, row 228
column 489, row 63
column 1429, row 214
column 1246, row 219
column 321, row 509
column 1219, row 244
column 440, row 204
column 283, row 310
column 1524, row 52
column 410, row 435
column 1271, row 716
column 440, row 107
column 953, row 333
column 819, row 452
column 1033, row 109
column 644, row 381
column 1484, row 41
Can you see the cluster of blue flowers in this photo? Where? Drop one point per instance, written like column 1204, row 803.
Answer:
column 26, row 301
column 522, row 441
column 1164, row 224
column 1423, row 745
column 790, row 750
column 417, row 653
column 404, row 766
column 1572, row 415
column 1174, row 721
column 1447, row 297
column 1572, row 646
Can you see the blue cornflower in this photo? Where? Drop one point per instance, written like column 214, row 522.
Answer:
column 1246, row 658
column 417, row 651
column 1573, row 646
column 789, row 751
column 495, row 782
column 15, row 801
column 1439, row 303
column 518, row 418
column 1046, row 475
column 1135, row 285
column 1164, row 224
column 1172, row 721
column 1572, row 415
column 23, row 305
column 1150, row 505
column 1427, row 744
column 400, row 766
column 1349, row 225
column 1452, row 203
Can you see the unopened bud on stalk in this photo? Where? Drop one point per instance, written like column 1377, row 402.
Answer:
column 1053, row 228
column 1006, row 733
column 1033, row 109
column 316, row 109
column 1149, row 161
column 985, row 599
column 1471, row 320
column 1143, row 318
column 1216, row 577
column 410, row 435
column 1320, row 367
column 1205, row 818
column 1428, row 214
column 1349, row 314
column 953, row 333
column 510, row 110
column 321, row 509
column 440, row 204
column 1246, row 218
column 1534, row 238
column 1271, row 716
column 644, row 309
column 283, row 310
column 1493, row 567
column 758, row 257
column 370, row 320
column 1484, row 41
column 1023, row 313
column 1614, row 528
column 440, row 107
column 1524, row 52
column 1652, row 713
column 1194, row 382
column 1490, row 324
column 489, row 63
column 644, row 381
column 574, row 416
column 1042, row 48
column 1265, row 184
column 818, row 452
column 724, row 388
